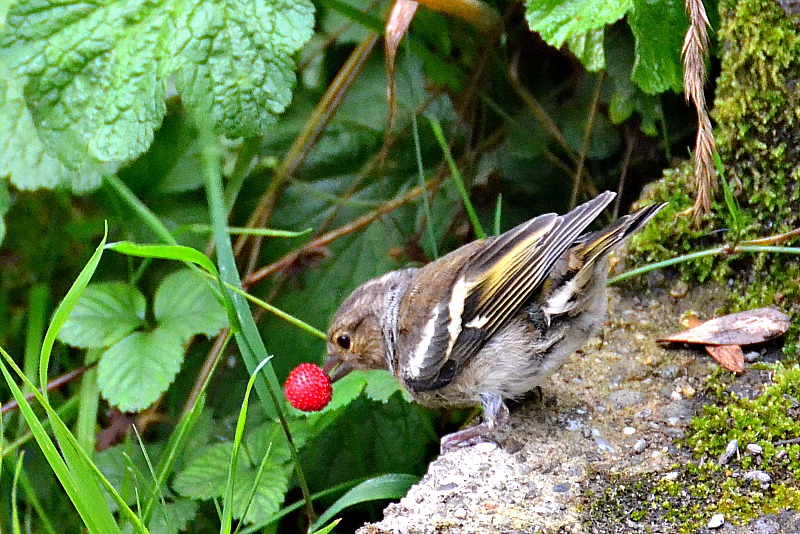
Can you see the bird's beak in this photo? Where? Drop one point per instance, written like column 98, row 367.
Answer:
column 335, row 368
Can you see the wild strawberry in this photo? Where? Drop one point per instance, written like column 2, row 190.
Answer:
column 308, row 388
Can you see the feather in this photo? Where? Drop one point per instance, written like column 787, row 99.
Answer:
column 493, row 284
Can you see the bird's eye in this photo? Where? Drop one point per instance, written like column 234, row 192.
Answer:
column 343, row 340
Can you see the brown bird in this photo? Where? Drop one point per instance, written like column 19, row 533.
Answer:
column 489, row 321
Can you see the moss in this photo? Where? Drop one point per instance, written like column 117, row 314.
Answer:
column 702, row 488
column 757, row 112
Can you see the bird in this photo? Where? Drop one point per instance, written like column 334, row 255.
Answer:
column 488, row 322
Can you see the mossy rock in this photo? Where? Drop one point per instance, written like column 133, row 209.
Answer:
column 757, row 112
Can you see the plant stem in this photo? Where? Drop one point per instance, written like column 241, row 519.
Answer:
column 248, row 338
column 457, row 178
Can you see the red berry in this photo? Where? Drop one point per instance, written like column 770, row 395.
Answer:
column 308, row 388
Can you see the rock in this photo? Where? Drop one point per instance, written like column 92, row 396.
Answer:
column 626, row 397
column 762, row 477
column 731, row 450
column 716, row 521
column 639, row 446
column 752, row 356
column 752, row 448
column 670, row 372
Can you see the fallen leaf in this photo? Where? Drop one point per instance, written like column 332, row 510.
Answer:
column 730, row 357
column 743, row 328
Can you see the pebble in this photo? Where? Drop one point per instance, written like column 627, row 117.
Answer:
column 730, row 451
column 629, row 431
column 561, row 488
column 625, row 397
column 573, row 425
column 762, row 477
column 461, row 513
column 604, row 445
column 752, row 356
column 716, row 521
column 669, row 477
column 674, row 433
column 670, row 372
column 639, row 446
column 673, row 421
column 679, row 289
column 752, row 448
column 688, row 391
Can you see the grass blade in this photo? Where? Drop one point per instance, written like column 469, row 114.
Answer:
column 64, row 309
column 227, row 511
column 390, row 486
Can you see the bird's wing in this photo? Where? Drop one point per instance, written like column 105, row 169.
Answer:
column 492, row 286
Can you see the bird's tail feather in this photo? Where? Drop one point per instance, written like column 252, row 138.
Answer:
column 599, row 243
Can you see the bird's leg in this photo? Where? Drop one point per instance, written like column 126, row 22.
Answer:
column 495, row 421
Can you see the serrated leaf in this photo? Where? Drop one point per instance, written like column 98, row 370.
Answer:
column 659, row 28
column 23, row 157
column 173, row 517
column 105, row 96
column 589, row 48
column 205, row 478
column 122, row 466
column 105, row 313
column 344, row 391
column 627, row 97
column 186, row 305
column 382, row 385
column 97, row 73
column 136, row 371
column 558, row 20
column 235, row 59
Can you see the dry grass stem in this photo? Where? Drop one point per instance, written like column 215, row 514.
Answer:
column 695, row 54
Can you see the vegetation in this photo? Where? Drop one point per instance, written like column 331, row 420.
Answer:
column 192, row 189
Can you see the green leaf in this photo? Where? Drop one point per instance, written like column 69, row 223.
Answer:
column 227, row 513
column 559, row 20
column 382, row 385
column 105, row 313
column 123, row 465
column 627, row 98
column 659, row 28
column 589, row 48
column 236, row 59
column 206, row 476
column 5, row 203
column 166, row 252
column 136, row 371
column 186, row 305
column 75, row 470
column 65, row 308
column 390, row 486
column 24, row 157
column 97, row 73
column 329, row 528
column 173, row 517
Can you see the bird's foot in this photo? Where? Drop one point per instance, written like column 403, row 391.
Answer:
column 481, row 433
column 492, row 430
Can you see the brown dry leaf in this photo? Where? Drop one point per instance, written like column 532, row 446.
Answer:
column 396, row 27
column 730, row 357
column 743, row 328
